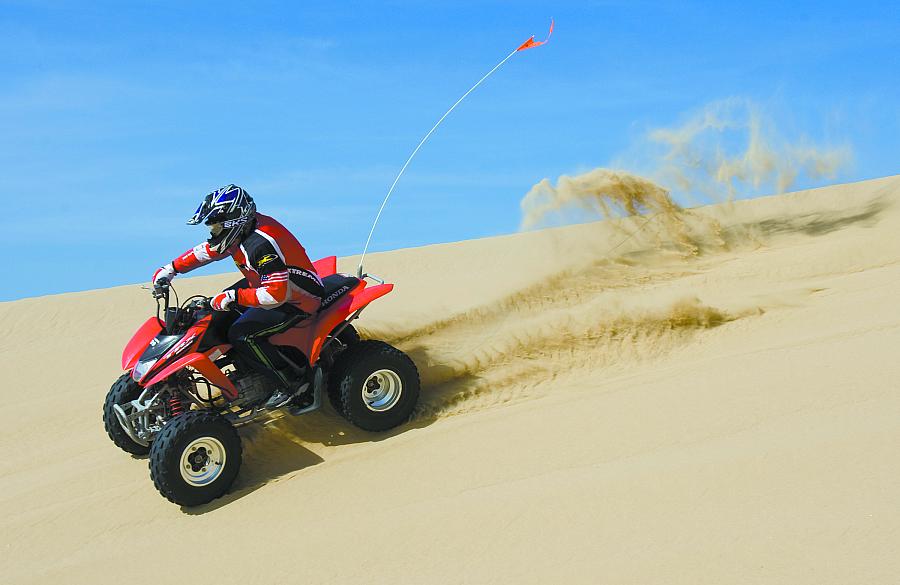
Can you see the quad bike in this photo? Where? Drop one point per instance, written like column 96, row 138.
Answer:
column 184, row 392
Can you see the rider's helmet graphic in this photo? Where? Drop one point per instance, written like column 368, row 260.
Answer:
column 229, row 213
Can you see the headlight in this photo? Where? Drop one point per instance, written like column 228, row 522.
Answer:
column 142, row 368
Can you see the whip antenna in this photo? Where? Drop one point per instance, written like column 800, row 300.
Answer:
column 530, row 43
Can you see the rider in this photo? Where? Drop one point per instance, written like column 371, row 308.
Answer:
column 280, row 288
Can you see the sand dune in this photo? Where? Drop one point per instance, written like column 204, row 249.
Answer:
column 601, row 404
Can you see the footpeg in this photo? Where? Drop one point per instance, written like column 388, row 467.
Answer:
column 309, row 401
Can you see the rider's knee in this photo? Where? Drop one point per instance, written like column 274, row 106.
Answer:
column 236, row 337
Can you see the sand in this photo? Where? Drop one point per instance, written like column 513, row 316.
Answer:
column 641, row 415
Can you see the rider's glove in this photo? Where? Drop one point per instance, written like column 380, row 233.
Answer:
column 222, row 301
column 165, row 274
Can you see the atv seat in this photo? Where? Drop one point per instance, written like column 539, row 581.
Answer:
column 336, row 286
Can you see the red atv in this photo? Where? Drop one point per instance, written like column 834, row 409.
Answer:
column 183, row 392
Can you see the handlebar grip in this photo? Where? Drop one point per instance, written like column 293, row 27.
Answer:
column 160, row 288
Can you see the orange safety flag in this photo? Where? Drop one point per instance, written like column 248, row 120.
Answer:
column 533, row 43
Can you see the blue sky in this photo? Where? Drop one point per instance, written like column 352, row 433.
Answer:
column 116, row 118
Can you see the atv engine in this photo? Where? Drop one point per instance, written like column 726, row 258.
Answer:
column 252, row 388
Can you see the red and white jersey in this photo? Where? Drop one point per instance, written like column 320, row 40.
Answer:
column 273, row 261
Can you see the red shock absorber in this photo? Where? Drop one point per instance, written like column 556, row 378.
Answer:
column 176, row 404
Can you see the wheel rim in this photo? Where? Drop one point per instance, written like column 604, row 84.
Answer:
column 382, row 390
column 202, row 461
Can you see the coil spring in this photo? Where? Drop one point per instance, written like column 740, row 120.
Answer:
column 176, row 405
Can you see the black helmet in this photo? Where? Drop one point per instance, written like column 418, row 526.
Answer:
column 229, row 212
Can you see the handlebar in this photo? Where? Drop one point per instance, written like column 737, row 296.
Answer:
column 160, row 289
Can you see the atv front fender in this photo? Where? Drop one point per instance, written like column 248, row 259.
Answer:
column 140, row 341
column 207, row 369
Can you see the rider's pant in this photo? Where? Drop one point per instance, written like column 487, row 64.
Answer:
column 250, row 332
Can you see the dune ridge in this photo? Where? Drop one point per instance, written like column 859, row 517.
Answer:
column 594, row 409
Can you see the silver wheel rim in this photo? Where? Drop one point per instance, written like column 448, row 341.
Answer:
column 382, row 390
column 202, row 461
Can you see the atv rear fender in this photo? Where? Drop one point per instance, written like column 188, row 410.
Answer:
column 310, row 335
column 326, row 266
column 363, row 297
column 140, row 341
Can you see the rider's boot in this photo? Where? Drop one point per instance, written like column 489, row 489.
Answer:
column 283, row 394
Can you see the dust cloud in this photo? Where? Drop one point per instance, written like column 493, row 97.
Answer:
column 598, row 193
column 730, row 148
column 606, row 194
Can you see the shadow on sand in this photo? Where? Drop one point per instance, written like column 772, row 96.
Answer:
column 278, row 449
column 819, row 223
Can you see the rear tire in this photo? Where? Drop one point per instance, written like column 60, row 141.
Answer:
column 123, row 391
column 349, row 337
column 195, row 458
column 378, row 386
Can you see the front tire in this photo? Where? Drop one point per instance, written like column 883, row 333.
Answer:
column 195, row 458
column 378, row 386
column 123, row 391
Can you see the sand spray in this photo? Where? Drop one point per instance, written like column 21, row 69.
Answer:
column 728, row 149
column 611, row 309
